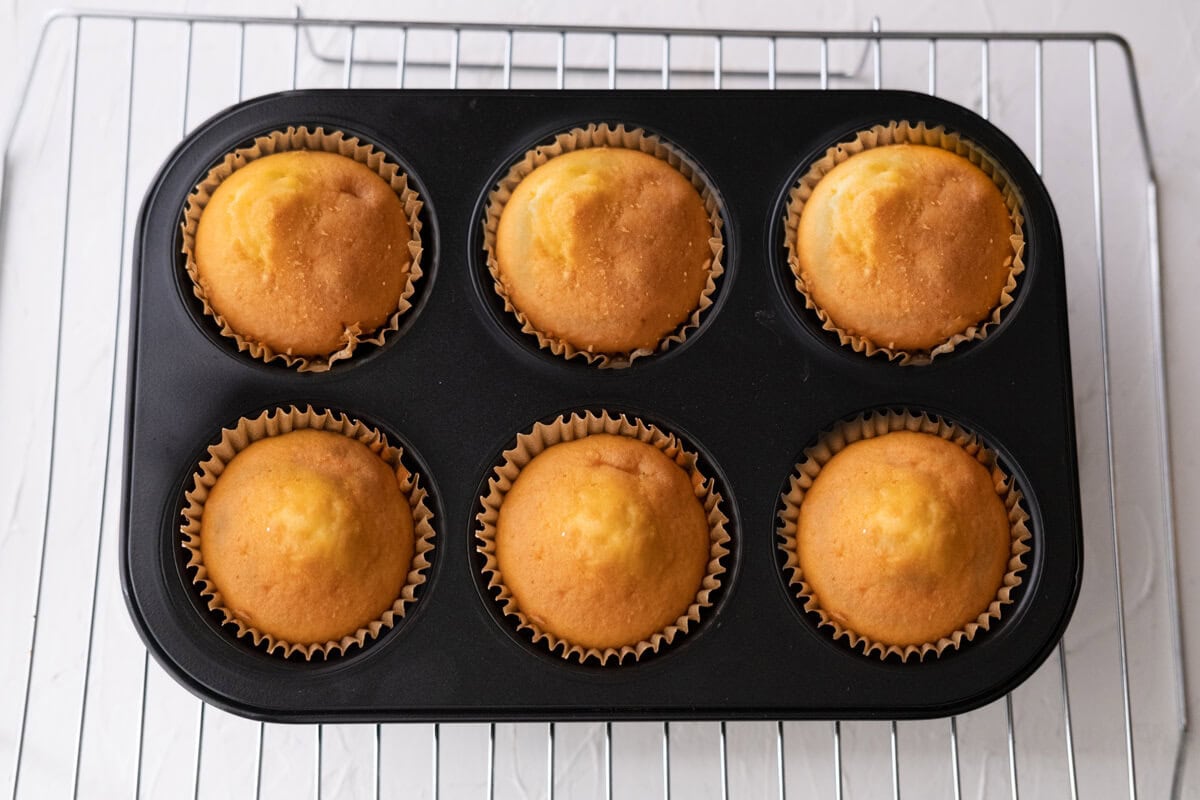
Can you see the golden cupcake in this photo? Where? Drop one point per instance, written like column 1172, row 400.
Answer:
column 304, row 246
column 909, row 248
column 602, row 541
column 601, row 537
column 904, row 534
column 307, row 538
column 605, row 250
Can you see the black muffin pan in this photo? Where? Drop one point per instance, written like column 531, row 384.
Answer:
column 748, row 390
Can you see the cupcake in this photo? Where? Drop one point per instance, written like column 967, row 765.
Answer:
column 303, row 246
column 605, row 244
column 903, row 534
column 906, row 241
column 307, row 532
column 602, row 537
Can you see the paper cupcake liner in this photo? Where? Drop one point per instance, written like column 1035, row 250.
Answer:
column 877, row 424
column 277, row 422
column 577, row 426
column 904, row 132
column 604, row 135
column 304, row 139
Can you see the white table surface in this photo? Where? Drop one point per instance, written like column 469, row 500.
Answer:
column 1165, row 36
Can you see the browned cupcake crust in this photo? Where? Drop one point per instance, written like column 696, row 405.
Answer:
column 905, row 245
column 303, row 251
column 605, row 248
column 903, row 538
column 602, row 541
column 307, row 536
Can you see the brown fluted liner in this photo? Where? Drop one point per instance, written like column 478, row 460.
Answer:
column 877, row 424
column 602, row 135
column 905, row 133
column 577, row 426
column 277, row 422
column 304, row 139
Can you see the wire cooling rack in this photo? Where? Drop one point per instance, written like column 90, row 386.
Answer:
column 84, row 711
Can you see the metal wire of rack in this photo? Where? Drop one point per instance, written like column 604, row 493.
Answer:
column 89, row 718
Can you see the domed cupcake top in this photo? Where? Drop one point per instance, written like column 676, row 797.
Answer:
column 903, row 538
column 602, row 541
column 905, row 240
column 605, row 244
column 302, row 246
column 307, row 536
column 606, row 248
column 306, row 531
column 301, row 250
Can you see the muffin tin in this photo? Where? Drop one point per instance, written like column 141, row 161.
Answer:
column 749, row 390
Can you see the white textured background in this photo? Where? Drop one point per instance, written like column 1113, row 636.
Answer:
column 1164, row 36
